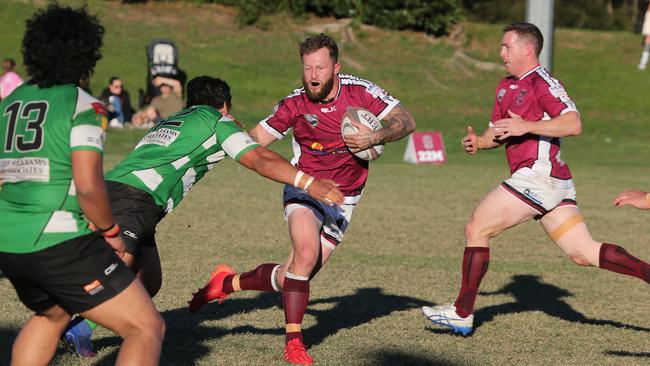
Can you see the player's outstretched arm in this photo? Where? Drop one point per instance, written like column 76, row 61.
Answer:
column 273, row 166
column 633, row 197
column 263, row 137
column 88, row 177
column 473, row 142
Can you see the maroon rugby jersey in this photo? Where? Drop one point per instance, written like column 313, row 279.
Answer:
column 535, row 96
column 318, row 146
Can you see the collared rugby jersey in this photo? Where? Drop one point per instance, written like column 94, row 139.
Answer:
column 178, row 151
column 318, row 146
column 536, row 96
column 39, row 130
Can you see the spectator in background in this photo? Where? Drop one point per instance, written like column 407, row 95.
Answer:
column 645, row 30
column 9, row 80
column 162, row 106
column 118, row 103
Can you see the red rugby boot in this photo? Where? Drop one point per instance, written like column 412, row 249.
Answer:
column 213, row 290
column 296, row 354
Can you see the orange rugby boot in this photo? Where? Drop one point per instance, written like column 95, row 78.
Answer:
column 213, row 290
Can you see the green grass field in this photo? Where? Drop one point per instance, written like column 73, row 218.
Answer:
column 404, row 247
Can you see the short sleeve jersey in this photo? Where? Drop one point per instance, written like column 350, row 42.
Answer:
column 178, row 151
column 536, row 96
column 318, row 146
column 39, row 130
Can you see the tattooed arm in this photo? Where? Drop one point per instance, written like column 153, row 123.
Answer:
column 397, row 124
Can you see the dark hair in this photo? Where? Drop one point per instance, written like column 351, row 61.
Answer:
column 11, row 62
column 112, row 79
column 528, row 31
column 61, row 45
column 207, row 90
column 317, row 42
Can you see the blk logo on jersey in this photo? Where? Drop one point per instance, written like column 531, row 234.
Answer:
column 329, row 109
column 312, row 119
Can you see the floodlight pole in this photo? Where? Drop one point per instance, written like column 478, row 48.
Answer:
column 540, row 13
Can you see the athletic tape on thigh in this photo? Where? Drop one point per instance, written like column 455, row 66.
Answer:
column 566, row 226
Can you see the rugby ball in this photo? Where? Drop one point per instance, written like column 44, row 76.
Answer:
column 368, row 119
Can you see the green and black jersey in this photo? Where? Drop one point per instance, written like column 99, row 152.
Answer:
column 39, row 130
column 178, row 151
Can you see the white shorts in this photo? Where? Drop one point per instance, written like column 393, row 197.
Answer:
column 335, row 219
column 542, row 193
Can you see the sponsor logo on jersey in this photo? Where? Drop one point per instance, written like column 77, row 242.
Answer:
column 328, row 110
column 162, row 137
column 312, row 119
column 514, row 86
column 317, row 146
column 94, row 287
column 521, row 96
column 25, row 169
column 110, row 269
column 376, row 91
column 558, row 91
column 500, row 94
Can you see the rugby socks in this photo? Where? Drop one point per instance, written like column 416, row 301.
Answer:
column 644, row 56
column 295, row 296
column 475, row 265
column 616, row 259
column 259, row 279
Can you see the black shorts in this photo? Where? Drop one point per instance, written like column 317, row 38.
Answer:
column 77, row 274
column 137, row 213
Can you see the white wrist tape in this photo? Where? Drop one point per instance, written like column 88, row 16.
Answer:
column 299, row 176
column 309, row 182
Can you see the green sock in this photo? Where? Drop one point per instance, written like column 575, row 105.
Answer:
column 90, row 323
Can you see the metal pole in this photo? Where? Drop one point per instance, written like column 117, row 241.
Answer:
column 540, row 13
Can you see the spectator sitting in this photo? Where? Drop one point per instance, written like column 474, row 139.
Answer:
column 9, row 80
column 118, row 102
column 162, row 106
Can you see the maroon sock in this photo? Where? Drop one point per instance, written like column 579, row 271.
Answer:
column 258, row 279
column 616, row 259
column 295, row 296
column 475, row 264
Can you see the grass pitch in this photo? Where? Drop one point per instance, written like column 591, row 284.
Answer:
column 404, row 246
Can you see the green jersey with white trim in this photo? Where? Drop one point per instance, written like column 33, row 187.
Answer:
column 178, row 151
column 39, row 130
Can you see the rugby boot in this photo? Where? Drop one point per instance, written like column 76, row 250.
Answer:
column 76, row 338
column 213, row 290
column 296, row 353
column 446, row 316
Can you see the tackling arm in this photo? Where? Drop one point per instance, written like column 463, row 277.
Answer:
column 567, row 124
column 273, row 166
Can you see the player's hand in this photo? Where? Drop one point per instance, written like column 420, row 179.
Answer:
column 326, row 191
column 513, row 126
column 633, row 197
column 470, row 141
column 117, row 244
column 364, row 139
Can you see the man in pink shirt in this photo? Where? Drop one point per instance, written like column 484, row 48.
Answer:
column 9, row 80
column 532, row 111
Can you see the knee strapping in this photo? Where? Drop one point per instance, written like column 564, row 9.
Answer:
column 566, row 226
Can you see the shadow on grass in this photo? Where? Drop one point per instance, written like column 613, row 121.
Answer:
column 533, row 295
column 391, row 357
column 628, row 354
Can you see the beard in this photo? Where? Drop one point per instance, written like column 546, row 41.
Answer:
column 318, row 96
